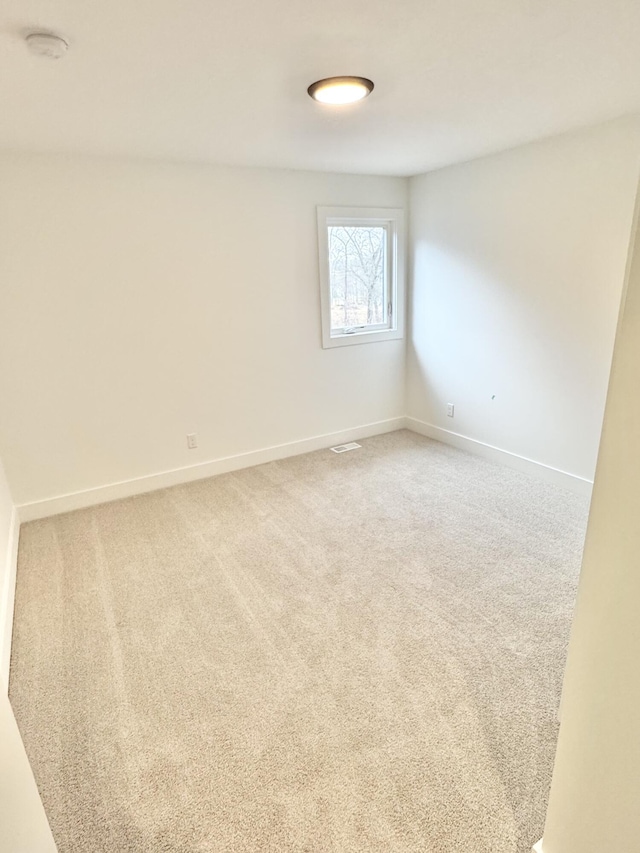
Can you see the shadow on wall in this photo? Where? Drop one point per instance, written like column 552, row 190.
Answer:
column 513, row 317
column 519, row 260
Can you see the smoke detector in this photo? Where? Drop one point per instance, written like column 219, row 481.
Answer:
column 47, row 44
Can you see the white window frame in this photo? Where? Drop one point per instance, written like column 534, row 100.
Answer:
column 392, row 219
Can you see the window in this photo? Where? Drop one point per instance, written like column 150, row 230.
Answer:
column 361, row 274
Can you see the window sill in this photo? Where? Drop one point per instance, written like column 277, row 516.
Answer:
column 361, row 338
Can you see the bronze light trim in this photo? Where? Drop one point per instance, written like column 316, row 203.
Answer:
column 363, row 83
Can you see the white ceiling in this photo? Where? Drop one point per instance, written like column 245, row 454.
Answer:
column 226, row 82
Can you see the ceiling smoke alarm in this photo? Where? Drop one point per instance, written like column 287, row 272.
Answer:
column 47, row 45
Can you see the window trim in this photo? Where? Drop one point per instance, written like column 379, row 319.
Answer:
column 393, row 219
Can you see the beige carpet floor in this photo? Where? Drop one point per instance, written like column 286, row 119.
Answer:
column 358, row 652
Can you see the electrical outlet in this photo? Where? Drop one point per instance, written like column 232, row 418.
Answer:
column 192, row 440
column 449, row 410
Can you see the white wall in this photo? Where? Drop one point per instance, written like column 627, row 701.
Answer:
column 142, row 301
column 8, row 557
column 518, row 268
column 594, row 803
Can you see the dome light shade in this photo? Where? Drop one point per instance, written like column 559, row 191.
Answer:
column 340, row 90
column 48, row 45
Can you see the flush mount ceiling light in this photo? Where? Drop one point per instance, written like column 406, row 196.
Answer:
column 340, row 90
column 47, row 44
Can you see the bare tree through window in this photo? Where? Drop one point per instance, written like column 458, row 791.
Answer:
column 357, row 274
column 361, row 266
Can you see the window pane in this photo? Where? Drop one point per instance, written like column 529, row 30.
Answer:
column 357, row 276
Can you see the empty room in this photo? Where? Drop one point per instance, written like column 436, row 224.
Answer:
column 319, row 427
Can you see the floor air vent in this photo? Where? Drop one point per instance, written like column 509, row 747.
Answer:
column 342, row 448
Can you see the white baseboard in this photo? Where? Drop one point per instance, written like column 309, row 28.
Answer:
column 571, row 482
column 25, row 828
column 537, row 848
column 140, row 485
column 7, row 598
